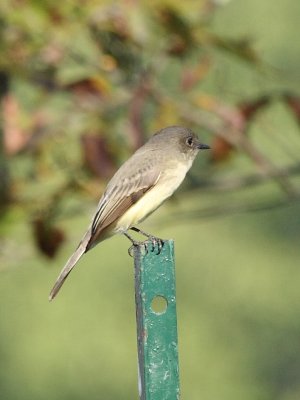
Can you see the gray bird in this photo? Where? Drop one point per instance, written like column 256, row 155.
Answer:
column 138, row 188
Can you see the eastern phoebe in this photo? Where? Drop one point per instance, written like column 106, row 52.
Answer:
column 138, row 188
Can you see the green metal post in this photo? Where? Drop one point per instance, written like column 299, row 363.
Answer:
column 156, row 323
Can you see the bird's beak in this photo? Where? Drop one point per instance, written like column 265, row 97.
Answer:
column 202, row 146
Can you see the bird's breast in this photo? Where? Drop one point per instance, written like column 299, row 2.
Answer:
column 168, row 182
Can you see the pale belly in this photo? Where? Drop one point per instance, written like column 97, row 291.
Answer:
column 163, row 189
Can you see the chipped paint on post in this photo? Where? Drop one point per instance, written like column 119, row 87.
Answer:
column 156, row 327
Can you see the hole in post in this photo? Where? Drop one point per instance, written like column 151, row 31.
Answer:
column 159, row 304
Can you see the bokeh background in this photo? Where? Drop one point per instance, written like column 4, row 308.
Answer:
column 83, row 84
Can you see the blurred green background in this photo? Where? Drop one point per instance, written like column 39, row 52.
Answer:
column 79, row 76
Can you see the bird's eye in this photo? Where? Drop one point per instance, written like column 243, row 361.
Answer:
column 189, row 141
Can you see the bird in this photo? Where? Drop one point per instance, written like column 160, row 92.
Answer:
column 137, row 189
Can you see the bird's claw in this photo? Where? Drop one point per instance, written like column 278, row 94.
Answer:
column 156, row 241
column 135, row 244
column 145, row 246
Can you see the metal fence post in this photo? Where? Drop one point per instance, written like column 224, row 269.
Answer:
column 155, row 298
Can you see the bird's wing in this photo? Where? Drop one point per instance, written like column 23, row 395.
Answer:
column 121, row 193
column 119, row 197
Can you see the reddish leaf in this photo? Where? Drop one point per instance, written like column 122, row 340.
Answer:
column 248, row 109
column 48, row 238
column 294, row 103
column 84, row 87
column 191, row 76
column 136, row 108
column 97, row 157
column 221, row 149
column 14, row 136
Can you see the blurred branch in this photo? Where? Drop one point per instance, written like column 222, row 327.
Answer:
column 242, row 182
column 230, row 130
column 228, row 209
column 242, row 48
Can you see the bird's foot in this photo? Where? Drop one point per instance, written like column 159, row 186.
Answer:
column 135, row 243
column 142, row 245
column 155, row 242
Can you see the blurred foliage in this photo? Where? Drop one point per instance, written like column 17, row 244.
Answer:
column 87, row 74
column 82, row 85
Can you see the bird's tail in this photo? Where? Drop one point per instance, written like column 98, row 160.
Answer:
column 67, row 269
